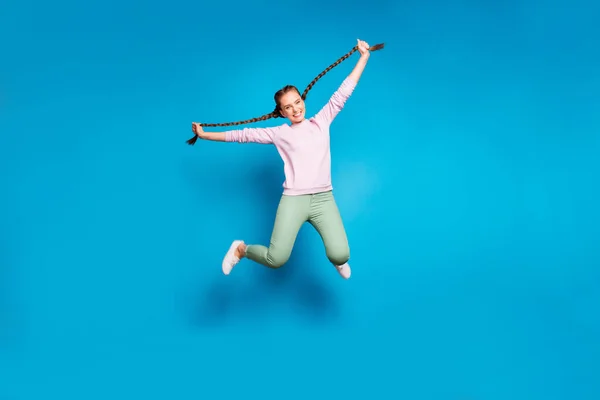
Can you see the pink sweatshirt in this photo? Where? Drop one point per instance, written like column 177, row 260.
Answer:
column 304, row 147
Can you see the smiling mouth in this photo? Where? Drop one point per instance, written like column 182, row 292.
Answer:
column 298, row 114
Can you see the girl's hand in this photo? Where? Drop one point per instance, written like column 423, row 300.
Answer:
column 363, row 48
column 197, row 129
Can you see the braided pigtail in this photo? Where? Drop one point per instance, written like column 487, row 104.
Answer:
column 335, row 64
column 275, row 113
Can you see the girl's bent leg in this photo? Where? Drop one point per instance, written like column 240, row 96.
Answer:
column 326, row 218
column 292, row 212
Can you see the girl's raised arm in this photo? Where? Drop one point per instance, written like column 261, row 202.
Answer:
column 363, row 49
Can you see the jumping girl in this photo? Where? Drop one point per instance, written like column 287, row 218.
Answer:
column 307, row 191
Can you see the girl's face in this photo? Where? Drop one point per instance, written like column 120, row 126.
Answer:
column 292, row 107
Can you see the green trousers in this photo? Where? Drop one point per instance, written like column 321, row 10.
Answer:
column 321, row 211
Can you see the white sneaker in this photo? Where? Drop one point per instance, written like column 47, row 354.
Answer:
column 344, row 270
column 230, row 259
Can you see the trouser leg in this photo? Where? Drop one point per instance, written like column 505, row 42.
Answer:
column 292, row 212
column 324, row 215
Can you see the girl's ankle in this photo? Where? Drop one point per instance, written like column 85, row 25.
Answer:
column 241, row 251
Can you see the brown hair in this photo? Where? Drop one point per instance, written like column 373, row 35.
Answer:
column 278, row 95
column 275, row 113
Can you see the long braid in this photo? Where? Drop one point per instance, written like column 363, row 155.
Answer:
column 275, row 113
column 335, row 64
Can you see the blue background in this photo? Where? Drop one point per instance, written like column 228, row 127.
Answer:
column 465, row 166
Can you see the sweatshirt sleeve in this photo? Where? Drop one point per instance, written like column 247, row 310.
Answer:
column 337, row 101
column 252, row 135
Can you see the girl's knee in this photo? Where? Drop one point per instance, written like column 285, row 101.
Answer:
column 339, row 255
column 277, row 259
